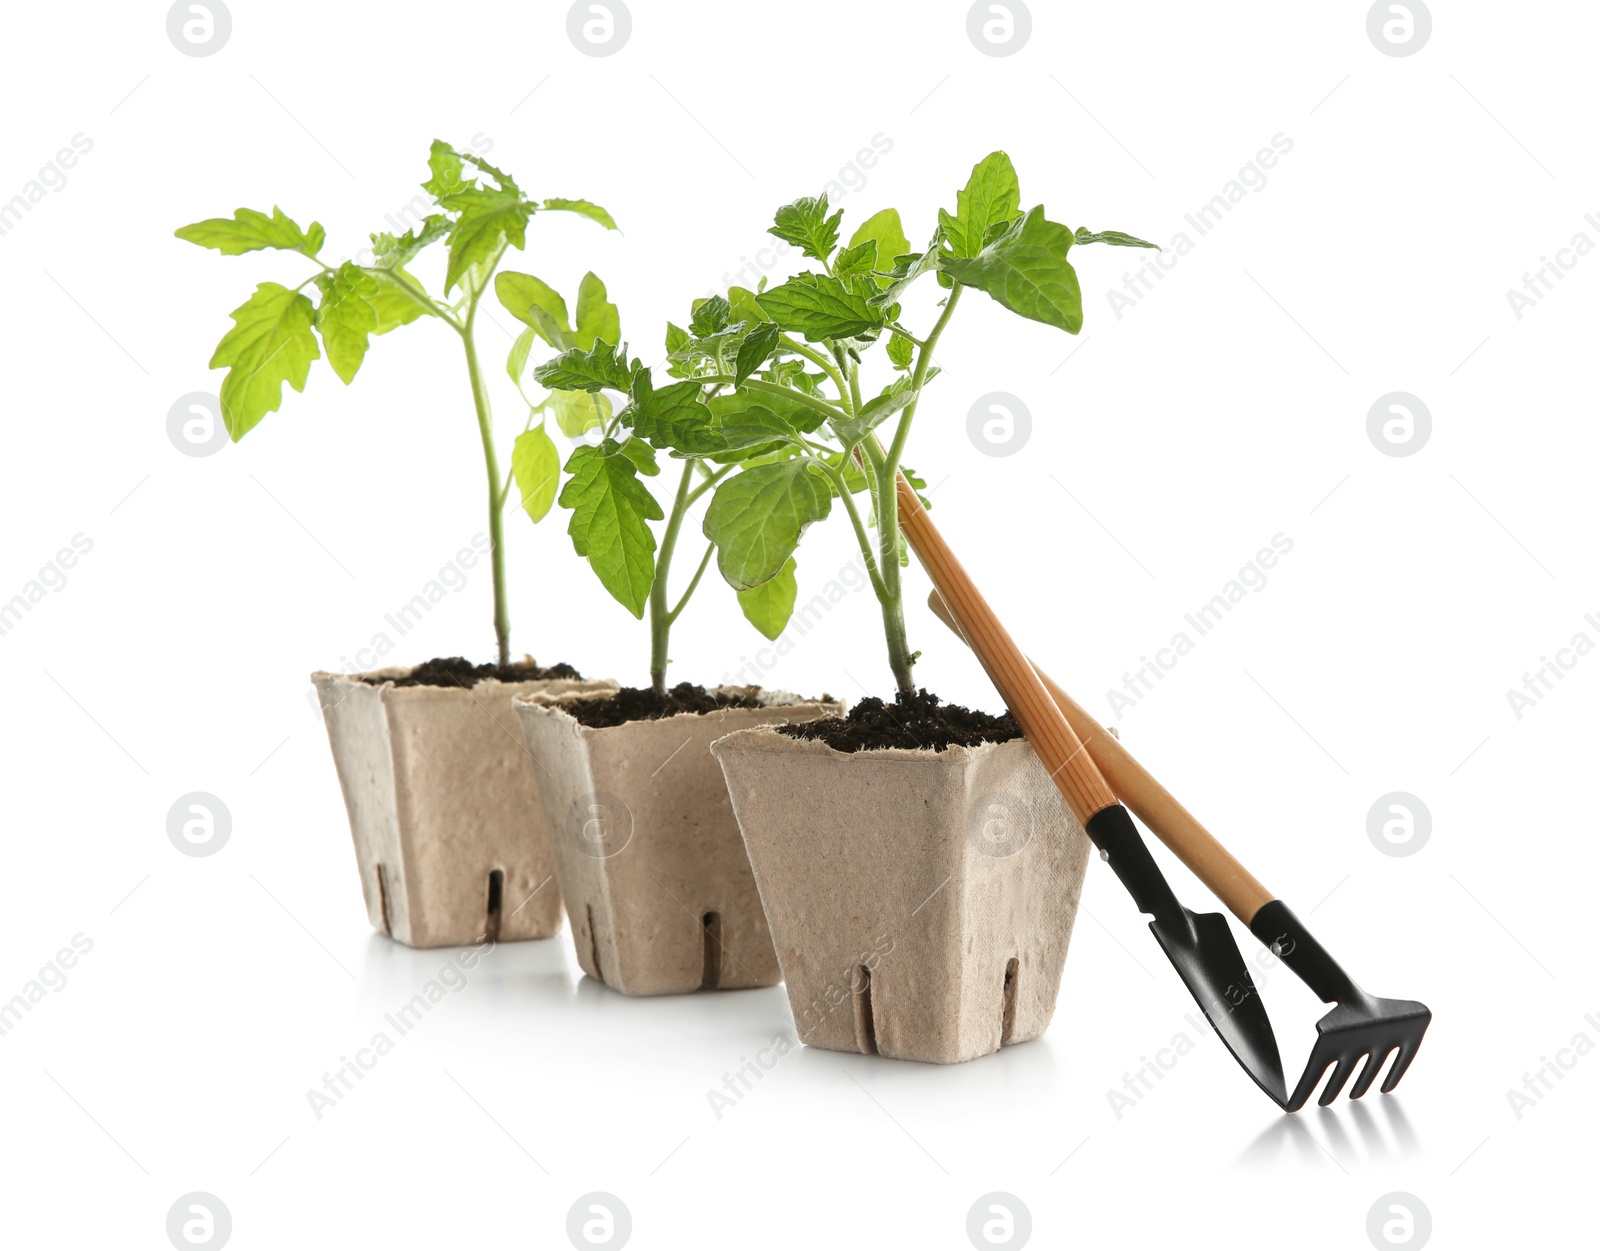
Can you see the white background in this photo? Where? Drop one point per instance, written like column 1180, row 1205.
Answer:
column 1228, row 405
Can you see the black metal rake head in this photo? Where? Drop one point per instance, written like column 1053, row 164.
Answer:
column 1361, row 1026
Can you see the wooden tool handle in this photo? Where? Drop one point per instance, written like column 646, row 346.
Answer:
column 1063, row 756
column 1151, row 802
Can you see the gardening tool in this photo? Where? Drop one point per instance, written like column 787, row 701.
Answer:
column 1074, row 748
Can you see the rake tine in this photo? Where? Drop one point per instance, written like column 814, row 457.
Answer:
column 1309, row 1081
column 1341, row 1075
column 1402, row 1062
column 1369, row 1074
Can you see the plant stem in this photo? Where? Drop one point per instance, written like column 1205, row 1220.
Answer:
column 699, row 572
column 873, row 451
column 497, row 551
column 862, row 537
column 661, row 616
column 816, row 358
column 711, row 480
column 894, row 621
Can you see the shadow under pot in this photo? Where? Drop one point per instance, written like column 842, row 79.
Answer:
column 647, row 850
column 920, row 901
column 443, row 806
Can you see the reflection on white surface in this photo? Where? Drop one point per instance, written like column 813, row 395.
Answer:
column 517, row 972
column 536, row 993
column 1321, row 1137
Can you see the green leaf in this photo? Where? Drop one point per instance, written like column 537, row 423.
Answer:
column 906, row 271
column 1026, row 270
column 394, row 305
column 584, row 208
column 756, row 346
column 444, row 166
column 709, row 316
column 517, row 358
column 578, row 370
column 769, row 606
column 799, row 416
column 901, row 350
column 883, row 228
column 271, row 343
column 757, row 516
column 806, row 224
column 740, row 436
column 742, row 305
column 753, row 431
column 249, row 230
column 820, row 307
column 507, row 183
column 991, row 196
column 787, row 371
column 536, row 468
column 487, row 218
column 861, row 258
column 1116, row 238
column 578, row 412
column 537, row 305
column 672, row 418
column 643, row 457
column 610, row 509
column 897, row 395
column 677, row 340
column 712, row 349
column 346, row 317
column 391, row 252
column 919, row 484
column 598, row 318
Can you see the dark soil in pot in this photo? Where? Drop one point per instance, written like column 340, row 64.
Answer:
column 456, row 671
column 632, row 703
column 912, row 721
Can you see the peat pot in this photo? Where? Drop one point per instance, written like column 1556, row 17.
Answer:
column 647, row 850
column 920, row 901
column 444, row 807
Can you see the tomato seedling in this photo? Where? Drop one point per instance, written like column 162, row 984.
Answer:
column 481, row 214
column 770, row 414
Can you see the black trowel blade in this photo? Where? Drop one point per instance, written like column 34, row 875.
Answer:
column 1207, row 958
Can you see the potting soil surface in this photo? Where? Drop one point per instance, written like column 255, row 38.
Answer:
column 913, row 721
column 633, row 703
column 455, row 671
